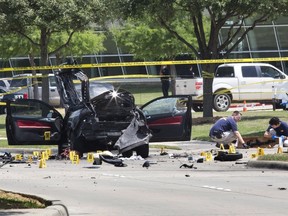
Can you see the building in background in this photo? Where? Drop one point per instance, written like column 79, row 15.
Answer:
column 266, row 40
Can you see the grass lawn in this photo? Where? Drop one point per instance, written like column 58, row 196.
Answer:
column 152, row 90
column 253, row 123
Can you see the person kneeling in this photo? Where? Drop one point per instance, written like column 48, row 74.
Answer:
column 225, row 131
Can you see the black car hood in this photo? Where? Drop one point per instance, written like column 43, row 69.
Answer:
column 114, row 105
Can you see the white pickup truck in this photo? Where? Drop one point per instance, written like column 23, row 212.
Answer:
column 238, row 82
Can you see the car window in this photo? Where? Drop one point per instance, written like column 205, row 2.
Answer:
column 166, row 106
column 27, row 108
column 52, row 81
column 2, row 83
column 249, row 71
column 225, row 72
column 18, row 82
column 269, row 72
column 97, row 88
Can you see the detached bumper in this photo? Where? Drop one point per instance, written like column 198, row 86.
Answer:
column 135, row 135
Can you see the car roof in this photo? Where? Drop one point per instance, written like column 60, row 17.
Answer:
column 245, row 64
column 3, row 89
column 29, row 74
column 5, row 83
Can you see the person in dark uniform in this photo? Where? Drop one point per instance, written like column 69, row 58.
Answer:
column 225, row 130
column 277, row 129
column 165, row 80
column 191, row 72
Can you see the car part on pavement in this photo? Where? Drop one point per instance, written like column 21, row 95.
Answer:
column 187, row 166
column 146, row 164
column 112, row 160
column 225, row 156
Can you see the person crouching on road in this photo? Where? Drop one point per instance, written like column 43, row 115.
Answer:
column 277, row 129
column 225, row 131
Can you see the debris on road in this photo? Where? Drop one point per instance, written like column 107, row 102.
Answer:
column 112, row 160
column 226, row 156
column 187, row 166
column 146, row 164
column 178, row 155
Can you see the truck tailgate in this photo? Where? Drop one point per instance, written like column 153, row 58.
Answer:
column 192, row 86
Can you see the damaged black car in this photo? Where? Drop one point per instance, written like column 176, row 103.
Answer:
column 97, row 117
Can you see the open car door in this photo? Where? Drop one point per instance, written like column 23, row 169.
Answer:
column 169, row 118
column 32, row 122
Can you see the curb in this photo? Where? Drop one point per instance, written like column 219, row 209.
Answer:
column 248, row 105
column 268, row 164
column 56, row 209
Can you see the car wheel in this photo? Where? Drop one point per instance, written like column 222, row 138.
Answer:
column 197, row 107
column 76, row 144
column 127, row 154
column 221, row 102
column 143, row 150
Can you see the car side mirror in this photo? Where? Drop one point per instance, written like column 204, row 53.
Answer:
column 282, row 76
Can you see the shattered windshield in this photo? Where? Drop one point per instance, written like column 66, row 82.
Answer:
column 166, row 105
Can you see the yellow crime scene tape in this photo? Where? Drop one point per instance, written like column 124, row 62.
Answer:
column 146, row 63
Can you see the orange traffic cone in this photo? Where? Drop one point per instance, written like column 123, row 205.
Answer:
column 244, row 106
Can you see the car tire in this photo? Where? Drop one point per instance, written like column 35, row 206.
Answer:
column 76, row 144
column 127, row 154
column 225, row 156
column 221, row 102
column 142, row 150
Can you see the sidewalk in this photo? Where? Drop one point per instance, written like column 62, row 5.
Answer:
column 56, row 209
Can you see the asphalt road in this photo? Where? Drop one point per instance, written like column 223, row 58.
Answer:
column 209, row 188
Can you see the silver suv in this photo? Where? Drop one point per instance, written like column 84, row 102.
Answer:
column 22, row 87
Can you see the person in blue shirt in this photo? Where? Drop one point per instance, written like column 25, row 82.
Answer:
column 277, row 129
column 225, row 131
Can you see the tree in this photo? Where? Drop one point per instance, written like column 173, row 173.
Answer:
column 85, row 42
column 164, row 12
column 149, row 40
column 48, row 18
column 12, row 45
